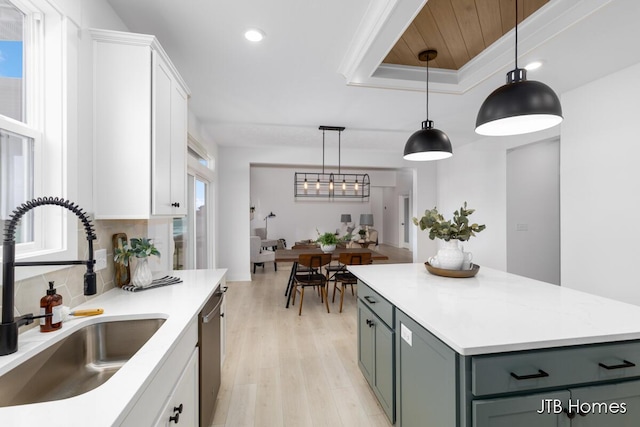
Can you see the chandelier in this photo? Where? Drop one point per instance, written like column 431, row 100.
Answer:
column 331, row 185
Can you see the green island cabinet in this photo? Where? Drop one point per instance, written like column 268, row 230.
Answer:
column 376, row 346
column 594, row 385
column 421, row 382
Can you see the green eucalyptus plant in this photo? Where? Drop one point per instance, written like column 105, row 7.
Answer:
column 327, row 238
column 137, row 247
column 458, row 229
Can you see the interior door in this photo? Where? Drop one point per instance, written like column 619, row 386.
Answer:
column 403, row 214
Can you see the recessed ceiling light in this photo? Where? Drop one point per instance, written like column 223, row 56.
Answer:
column 534, row 65
column 254, row 35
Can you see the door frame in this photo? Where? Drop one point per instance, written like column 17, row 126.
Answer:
column 404, row 218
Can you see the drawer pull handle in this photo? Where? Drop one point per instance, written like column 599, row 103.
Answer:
column 370, row 323
column 569, row 414
column 540, row 374
column 624, row 364
column 369, row 299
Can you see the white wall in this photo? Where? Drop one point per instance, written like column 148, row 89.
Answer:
column 477, row 174
column 533, row 211
column 600, row 186
column 272, row 191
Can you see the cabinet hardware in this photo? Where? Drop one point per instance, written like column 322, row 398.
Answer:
column 569, row 414
column 624, row 364
column 175, row 418
column 540, row 374
column 369, row 299
column 178, row 409
column 175, row 204
column 370, row 323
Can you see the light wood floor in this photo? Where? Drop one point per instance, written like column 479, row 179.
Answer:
column 282, row 369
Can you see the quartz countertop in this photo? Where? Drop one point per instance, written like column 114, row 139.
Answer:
column 108, row 404
column 497, row 312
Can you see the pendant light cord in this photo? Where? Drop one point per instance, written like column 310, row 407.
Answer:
column 428, row 87
column 516, row 34
column 323, row 151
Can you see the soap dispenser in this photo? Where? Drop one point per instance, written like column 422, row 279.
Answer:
column 51, row 305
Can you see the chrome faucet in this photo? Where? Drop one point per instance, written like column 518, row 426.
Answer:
column 9, row 326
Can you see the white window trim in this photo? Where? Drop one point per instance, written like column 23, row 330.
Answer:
column 50, row 98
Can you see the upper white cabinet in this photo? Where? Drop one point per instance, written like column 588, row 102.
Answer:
column 139, row 128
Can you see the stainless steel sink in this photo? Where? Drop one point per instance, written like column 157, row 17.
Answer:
column 80, row 362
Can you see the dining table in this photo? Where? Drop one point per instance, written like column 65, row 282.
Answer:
column 292, row 255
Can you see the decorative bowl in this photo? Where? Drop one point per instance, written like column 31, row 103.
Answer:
column 452, row 273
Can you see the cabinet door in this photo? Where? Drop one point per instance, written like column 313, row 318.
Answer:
column 182, row 406
column 161, row 146
column 179, row 111
column 522, row 411
column 601, row 405
column 426, row 377
column 384, row 367
column 366, row 336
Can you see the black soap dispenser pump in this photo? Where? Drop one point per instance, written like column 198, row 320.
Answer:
column 51, row 307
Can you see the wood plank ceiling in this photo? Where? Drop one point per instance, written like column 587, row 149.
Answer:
column 458, row 29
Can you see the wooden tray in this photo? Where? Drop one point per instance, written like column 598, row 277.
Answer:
column 453, row 273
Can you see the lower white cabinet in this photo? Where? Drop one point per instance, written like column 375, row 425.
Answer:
column 182, row 406
column 175, row 383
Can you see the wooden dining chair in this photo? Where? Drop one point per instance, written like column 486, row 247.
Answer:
column 302, row 269
column 311, row 277
column 345, row 277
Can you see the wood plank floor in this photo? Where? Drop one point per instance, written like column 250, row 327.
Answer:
column 282, row 369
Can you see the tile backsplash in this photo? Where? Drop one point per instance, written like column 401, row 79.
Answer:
column 69, row 281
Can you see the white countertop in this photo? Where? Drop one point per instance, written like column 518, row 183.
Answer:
column 107, row 404
column 497, row 312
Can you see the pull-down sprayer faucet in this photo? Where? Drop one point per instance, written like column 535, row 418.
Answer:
column 9, row 325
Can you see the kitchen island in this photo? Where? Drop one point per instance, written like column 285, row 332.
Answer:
column 492, row 349
column 141, row 387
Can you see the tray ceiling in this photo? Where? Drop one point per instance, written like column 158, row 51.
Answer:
column 458, row 29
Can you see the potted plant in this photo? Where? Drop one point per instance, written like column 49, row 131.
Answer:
column 363, row 233
column 328, row 241
column 450, row 232
column 140, row 248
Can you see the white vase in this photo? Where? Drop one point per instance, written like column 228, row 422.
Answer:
column 142, row 276
column 450, row 255
column 327, row 248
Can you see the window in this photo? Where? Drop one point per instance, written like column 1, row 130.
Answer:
column 16, row 179
column 34, row 37
column 18, row 134
column 12, row 83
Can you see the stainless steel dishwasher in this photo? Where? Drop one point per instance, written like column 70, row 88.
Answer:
column 209, row 357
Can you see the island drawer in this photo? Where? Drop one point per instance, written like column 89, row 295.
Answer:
column 537, row 369
column 377, row 304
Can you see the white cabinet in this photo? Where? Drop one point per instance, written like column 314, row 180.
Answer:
column 182, row 407
column 175, row 383
column 139, row 128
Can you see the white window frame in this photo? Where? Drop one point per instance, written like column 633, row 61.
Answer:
column 52, row 117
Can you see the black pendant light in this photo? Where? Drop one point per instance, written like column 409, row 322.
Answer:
column 428, row 143
column 521, row 106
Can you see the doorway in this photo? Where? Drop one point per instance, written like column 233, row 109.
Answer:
column 533, row 211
